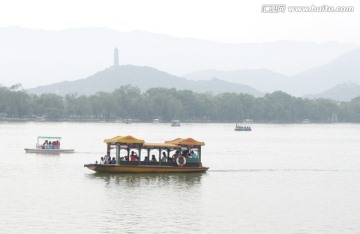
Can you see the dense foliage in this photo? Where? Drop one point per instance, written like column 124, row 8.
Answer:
column 166, row 104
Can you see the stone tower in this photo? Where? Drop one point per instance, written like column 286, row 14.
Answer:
column 116, row 57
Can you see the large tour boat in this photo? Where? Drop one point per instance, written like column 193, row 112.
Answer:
column 133, row 155
column 48, row 145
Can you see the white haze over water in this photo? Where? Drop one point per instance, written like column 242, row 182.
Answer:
column 229, row 21
column 75, row 39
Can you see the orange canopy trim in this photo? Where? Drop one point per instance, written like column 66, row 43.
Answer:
column 124, row 140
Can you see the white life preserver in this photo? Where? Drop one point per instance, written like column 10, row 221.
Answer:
column 178, row 161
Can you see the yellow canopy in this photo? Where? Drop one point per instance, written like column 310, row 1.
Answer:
column 112, row 140
column 175, row 141
column 168, row 144
column 124, row 140
column 187, row 142
column 191, row 141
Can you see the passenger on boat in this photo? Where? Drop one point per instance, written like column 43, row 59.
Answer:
column 133, row 156
column 153, row 159
column 164, row 157
column 107, row 159
column 193, row 154
column 185, row 153
column 45, row 145
column 113, row 161
column 146, row 159
column 102, row 160
column 175, row 155
column 55, row 144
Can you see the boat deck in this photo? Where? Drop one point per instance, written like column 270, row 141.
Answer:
column 116, row 168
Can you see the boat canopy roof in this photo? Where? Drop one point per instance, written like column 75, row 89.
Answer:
column 160, row 146
column 173, row 144
column 49, row 137
column 124, row 140
column 185, row 142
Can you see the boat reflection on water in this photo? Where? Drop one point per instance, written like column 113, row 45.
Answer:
column 134, row 180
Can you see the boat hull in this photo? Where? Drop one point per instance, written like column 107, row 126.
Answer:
column 49, row 151
column 143, row 169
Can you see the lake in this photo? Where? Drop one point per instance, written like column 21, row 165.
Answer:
column 298, row 178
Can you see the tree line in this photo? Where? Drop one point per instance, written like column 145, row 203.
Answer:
column 129, row 102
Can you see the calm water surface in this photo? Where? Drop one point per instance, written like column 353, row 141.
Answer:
column 275, row 179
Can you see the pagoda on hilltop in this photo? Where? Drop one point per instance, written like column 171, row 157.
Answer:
column 116, row 57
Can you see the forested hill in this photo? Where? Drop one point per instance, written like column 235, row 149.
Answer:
column 144, row 78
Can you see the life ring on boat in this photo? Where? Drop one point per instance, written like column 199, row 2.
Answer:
column 181, row 164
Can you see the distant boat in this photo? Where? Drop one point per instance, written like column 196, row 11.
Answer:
column 175, row 123
column 155, row 121
column 241, row 127
column 51, row 145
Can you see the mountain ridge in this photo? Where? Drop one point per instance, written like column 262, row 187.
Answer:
column 321, row 81
column 143, row 77
column 44, row 56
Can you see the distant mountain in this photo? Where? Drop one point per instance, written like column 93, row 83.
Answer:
column 142, row 77
column 345, row 68
column 342, row 92
column 262, row 79
column 39, row 57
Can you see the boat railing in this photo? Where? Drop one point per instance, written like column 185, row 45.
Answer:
column 192, row 160
column 47, row 147
column 189, row 162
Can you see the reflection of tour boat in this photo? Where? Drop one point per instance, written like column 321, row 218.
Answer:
column 175, row 123
column 240, row 127
column 50, row 145
column 179, row 162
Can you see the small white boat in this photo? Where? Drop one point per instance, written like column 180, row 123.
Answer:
column 240, row 127
column 50, row 145
column 175, row 123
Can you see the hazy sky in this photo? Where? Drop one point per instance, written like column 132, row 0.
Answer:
column 217, row 20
